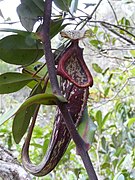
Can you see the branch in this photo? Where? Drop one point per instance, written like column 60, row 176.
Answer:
column 113, row 12
column 108, row 26
column 116, row 33
column 90, row 17
column 116, row 94
column 10, row 168
column 81, row 146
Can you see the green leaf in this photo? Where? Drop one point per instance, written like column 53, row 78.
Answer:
column 105, row 166
column 63, row 4
column 19, row 32
column 96, row 43
column 106, row 91
column 103, row 142
column 120, row 162
column 105, row 71
column 31, row 69
column 22, row 118
column 97, row 68
column 45, row 99
column 105, row 118
column 132, row 52
column 6, row 116
column 130, row 122
column 39, row 4
column 28, row 12
column 95, row 30
column 87, row 128
column 26, row 111
column 20, row 50
column 56, row 27
column 45, row 145
column 21, row 122
column 12, row 82
column 99, row 119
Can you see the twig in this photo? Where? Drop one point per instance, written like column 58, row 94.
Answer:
column 117, row 93
column 90, row 17
column 81, row 146
column 116, row 26
column 116, row 33
column 113, row 12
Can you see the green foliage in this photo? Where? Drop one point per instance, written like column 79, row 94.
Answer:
column 87, row 128
column 63, row 5
column 28, row 12
column 20, row 50
column 12, row 82
column 108, row 125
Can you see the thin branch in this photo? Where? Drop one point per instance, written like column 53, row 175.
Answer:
column 116, row 26
column 116, row 33
column 117, row 93
column 113, row 12
column 90, row 16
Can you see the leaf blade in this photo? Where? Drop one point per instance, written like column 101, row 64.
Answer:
column 13, row 81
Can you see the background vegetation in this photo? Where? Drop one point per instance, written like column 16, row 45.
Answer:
column 109, row 53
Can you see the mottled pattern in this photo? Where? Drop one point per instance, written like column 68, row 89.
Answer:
column 74, row 34
column 60, row 136
column 75, row 70
column 73, row 74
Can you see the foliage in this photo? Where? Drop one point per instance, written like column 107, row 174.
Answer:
column 111, row 104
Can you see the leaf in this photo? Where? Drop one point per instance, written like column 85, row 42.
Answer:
column 56, row 27
column 87, row 128
column 21, row 122
column 12, row 82
column 22, row 118
column 96, row 43
column 39, row 4
column 20, row 50
column 6, row 116
column 28, row 12
column 19, row 32
column 97, row 68
column 63, row 4
column 30, row 70
column 106, row 91
column 45, row 99
column 132, row 52
column 120, row 162
column 99, row 119
column 105, row 118
column 105, row 71
column 130, row 122
column 105, row 165
column 26, row 111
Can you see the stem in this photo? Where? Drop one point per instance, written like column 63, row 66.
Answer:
column 81, row 145
column 47, row 48
column 90, row 17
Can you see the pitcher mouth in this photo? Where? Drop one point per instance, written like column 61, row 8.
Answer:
column 72, row 66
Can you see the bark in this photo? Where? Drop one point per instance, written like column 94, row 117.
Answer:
column 10, row 168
